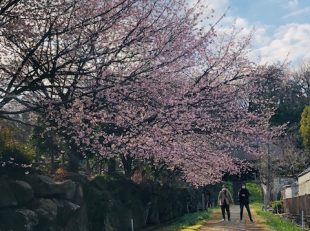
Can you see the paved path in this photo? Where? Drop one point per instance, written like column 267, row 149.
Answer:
column 215, row 223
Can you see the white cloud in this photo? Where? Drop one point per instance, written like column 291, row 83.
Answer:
column 292, row 4
column 298, row 12
column 246, row 28
column 212, row 11
column 287, row 4
column 260, row 37
column 240, row 24
column 218, row 6
column 289, row 42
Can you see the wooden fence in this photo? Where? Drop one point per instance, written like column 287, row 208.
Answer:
column 294, row 207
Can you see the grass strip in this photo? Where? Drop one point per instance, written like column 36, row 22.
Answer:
column 189, row 222
column 275, row 222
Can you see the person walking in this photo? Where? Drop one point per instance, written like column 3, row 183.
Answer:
column 244, row 200
column 224, row 200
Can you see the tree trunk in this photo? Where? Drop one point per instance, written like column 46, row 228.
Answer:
column 111, row 166
column 53, row 167
column 88, row 171
column 266, row 195
column 63, row 159
column 127, row 164
column 52, row 163
column 73, row 165
column 268, row 186
column 101, row 167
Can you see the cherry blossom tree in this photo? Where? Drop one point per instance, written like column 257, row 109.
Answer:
column 48, row 50
column 135, row 79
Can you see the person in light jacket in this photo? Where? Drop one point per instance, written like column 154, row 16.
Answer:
column 224, row 200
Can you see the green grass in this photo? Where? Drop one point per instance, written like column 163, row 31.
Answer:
column 189, row 222
column 275, row 222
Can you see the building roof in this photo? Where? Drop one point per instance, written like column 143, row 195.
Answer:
column 305, row 171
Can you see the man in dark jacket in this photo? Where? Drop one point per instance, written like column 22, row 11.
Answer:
column 244, row 200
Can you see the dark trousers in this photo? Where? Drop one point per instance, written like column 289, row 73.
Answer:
column 223, row 208
column 246, row 205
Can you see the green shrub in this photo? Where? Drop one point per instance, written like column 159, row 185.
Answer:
column 277, row 206
column 15, row 157
column 255, row 191
column 6, row 136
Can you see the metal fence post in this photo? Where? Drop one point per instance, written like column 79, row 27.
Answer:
column 302, row 219
column 132, row 227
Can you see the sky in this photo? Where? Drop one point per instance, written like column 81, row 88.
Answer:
column 281, row 27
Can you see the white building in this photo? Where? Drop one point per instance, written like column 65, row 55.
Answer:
column 278, row 184
column 290, row 191
column 304, row 182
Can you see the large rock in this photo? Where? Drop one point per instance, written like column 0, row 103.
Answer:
column 44, row 186
column 60, row 214
column 46, row 210
column 18, row 220
column 31, row 218
column 72, row 216
column 100, row 183
column 57, row 215
column 79, row 195
column 76, row 177
column 66, row 210
column 7, row 198
column 68, row 188
column 22, row 191
column 78, row 222
column 118, row 218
